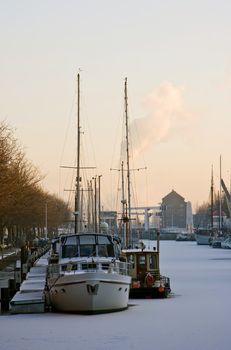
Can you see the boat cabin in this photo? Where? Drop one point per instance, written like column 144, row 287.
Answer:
column 146, row 279
column 85, row 245
column 143, row 262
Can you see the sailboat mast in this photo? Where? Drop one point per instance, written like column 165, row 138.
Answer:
column 128, row 162
column 220, row 220
column 212, row 198
column 124, row 234
column 77, row 194
column 123, row 196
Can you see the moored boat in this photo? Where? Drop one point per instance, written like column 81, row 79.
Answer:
column 185, row 236
column 203, row 236
column 147, row 282
column 86, row 275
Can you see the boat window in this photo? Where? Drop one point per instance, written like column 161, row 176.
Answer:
column 69, row 251
column 87, row 250
column 71, row 240
column 110, row 250
column 142, row 260
column 64, row 267
column 141, row 264
column 105, row 246
column 152, row 262
column 87, row 245
column 102, row 250
column 87, row 239
column 103, row 240
column 91, row 266
column 105, row 266
column 106, row 250
column 84, row 266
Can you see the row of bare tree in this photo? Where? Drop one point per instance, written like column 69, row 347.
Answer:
column 23, row 202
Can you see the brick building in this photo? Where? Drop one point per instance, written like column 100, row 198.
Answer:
column 177, row 214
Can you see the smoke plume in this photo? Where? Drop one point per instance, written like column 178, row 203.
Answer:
column 165, row 112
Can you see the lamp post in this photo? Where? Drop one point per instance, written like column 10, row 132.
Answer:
column 46, row 221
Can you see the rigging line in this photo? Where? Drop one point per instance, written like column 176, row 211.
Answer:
column 134, row 182
column 136, row 136
column 147, row 186
column 131, row 153
column 123, row 143
column 70, row 197
column 70, row 178
column 117, row 139
column 117, row 192
column 66, row 134
column 134, row 191
column 87, row 126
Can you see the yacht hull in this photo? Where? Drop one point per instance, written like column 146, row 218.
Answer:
column 202, row 239
column 89, row 292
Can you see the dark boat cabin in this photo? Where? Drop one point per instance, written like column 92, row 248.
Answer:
column 142, row 263
column 146, row 279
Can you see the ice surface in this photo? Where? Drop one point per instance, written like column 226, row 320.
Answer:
column 195, row 317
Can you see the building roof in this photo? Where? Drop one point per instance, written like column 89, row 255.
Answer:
column 172, row 194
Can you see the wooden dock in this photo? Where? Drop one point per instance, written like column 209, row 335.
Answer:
column 31, row 296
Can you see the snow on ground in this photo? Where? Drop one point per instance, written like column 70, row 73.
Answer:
column 197, row 315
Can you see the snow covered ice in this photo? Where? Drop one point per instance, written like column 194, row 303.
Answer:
column 195, row 317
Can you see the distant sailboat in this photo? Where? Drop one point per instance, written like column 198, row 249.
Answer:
column 204, row 234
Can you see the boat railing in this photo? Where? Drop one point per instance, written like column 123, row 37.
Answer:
column 86, row 265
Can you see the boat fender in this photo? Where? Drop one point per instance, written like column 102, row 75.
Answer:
column 136, row 284
column 149, row 279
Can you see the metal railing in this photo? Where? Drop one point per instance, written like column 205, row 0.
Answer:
column 89, row 266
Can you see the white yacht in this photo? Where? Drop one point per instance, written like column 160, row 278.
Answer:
column 86, row 275
column 203, row 236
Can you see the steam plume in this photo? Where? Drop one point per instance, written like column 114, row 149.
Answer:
column 164, row 111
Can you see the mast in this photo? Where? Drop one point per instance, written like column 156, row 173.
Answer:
column 220, row 223
column 211, row 217
column 124, row 234
column 129, row 238
column 99, row 204
column 95, row 203
column 81, row 222
column 123, row 197
column 89, row 205
column 77, row 194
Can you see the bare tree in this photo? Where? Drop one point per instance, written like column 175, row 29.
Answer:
column 22, row 200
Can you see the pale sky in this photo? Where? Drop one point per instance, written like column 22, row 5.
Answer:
column 177, row 58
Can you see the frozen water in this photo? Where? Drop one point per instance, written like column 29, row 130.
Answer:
column 195, row 317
